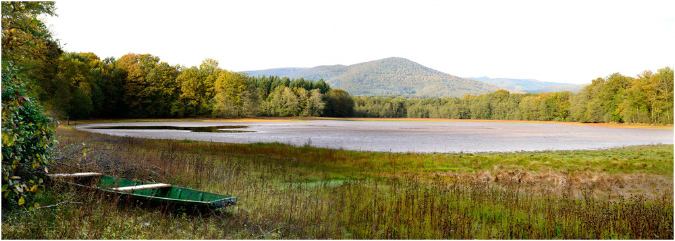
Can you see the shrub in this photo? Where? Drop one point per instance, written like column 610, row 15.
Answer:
column 27, row 137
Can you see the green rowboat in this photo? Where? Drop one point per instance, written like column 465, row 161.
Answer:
column 155, row 192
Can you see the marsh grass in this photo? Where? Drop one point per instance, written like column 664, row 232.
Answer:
column 311, row 193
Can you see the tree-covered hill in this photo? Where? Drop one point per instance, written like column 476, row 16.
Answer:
column 390, row 76
column 530, row 85
column 560, row 88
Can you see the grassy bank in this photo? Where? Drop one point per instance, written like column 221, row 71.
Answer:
column 306, row 192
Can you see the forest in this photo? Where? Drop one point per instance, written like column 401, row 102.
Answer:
column 647, row 98
column 80, row 85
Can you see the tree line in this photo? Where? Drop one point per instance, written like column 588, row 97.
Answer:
column 81, row 85
column 647, row 98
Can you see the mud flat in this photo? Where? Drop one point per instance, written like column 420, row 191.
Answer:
column 399, row 136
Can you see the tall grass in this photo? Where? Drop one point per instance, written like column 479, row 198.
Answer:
column 311, row 193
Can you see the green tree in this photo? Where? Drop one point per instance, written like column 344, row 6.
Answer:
column 78, row 94
column 529, row 107
column 274, row 104
column 28, row 44
column 338, row 103
column 554, row 106
column 80, row 105
column 302, row 95
column 480, row 108
column 610, row 95
column 290, row 103
column 595, row 109
column 634, row 108
column 197, row 87
column 161, row 90
column 263, row 85
column 579, row 105
column 661, row 96
column 322, row 86
column 417, row 109
column 315, row 104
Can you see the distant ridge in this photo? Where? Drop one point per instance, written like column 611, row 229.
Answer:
column 530, row 85
column 560, row 88
column 385, row 77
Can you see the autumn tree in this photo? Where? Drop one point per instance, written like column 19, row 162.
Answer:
column 236, row 96
column 135, row 68
column 197, row 86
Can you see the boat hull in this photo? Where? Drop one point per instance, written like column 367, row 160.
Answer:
column 168, row 195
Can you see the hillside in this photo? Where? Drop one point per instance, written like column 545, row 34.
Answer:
column 529, row 85
column 559, row 88
column 384, row 77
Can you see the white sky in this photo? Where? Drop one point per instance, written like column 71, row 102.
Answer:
column 559, row 41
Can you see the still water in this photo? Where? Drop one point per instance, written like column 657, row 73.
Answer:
column 397, row 136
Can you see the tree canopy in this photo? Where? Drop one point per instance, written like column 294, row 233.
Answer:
column 142, row 86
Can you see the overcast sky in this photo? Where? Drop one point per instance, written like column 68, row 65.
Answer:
column 558, row 41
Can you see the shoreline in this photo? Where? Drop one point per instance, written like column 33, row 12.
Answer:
column 285, row 119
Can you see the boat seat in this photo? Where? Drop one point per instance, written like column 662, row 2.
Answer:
column 80, row 174
column 141, row 187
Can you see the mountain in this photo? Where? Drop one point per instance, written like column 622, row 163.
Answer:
column 559, row 88
column 384, row 77
column 530, row 85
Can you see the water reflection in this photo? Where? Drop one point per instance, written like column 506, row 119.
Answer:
column 219, row 129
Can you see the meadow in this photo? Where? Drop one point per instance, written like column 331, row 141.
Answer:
column 287, row 192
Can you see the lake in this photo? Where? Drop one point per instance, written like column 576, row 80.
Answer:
column 397, row 136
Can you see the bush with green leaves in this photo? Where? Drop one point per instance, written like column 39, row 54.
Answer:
column 27, row 137
column 28, row 55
